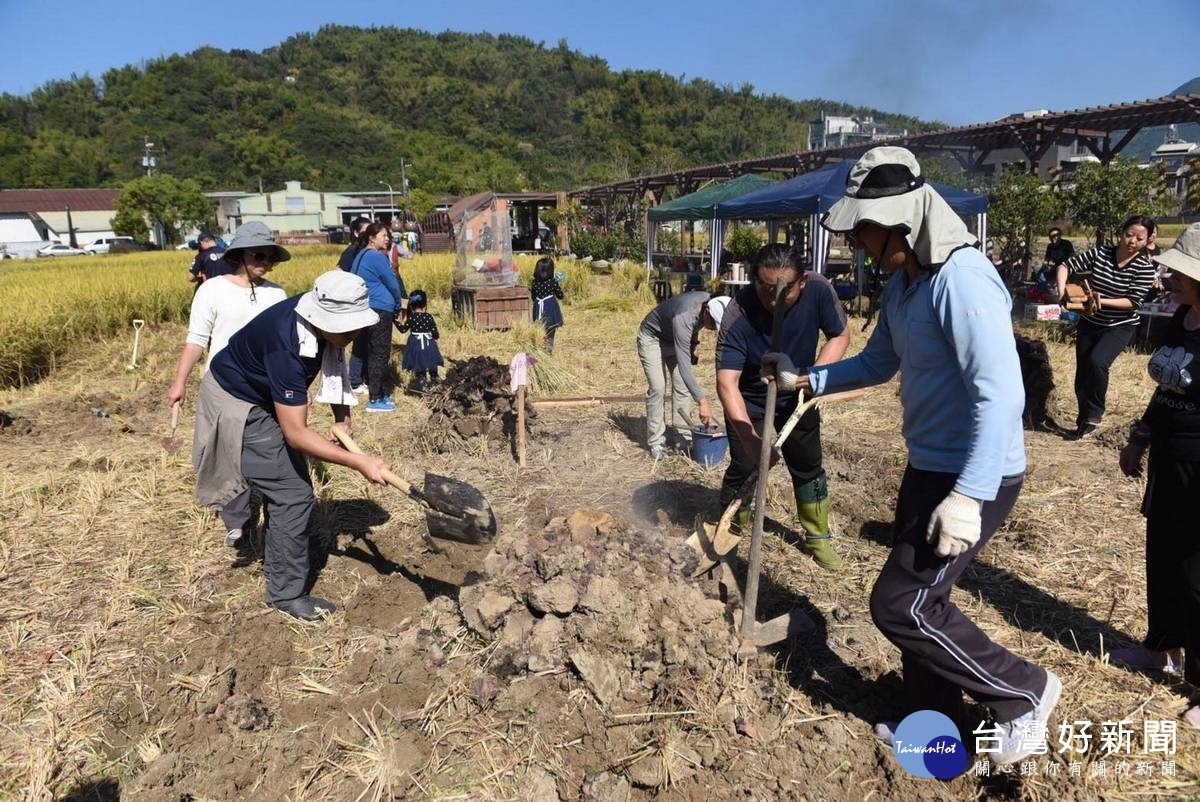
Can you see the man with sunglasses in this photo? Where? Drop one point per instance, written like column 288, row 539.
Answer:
column 809, row 308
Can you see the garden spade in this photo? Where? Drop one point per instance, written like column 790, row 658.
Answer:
column 171, row 442
column 454, row 510
column 713, row 541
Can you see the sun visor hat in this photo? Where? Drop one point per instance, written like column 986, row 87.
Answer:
column 875, row 188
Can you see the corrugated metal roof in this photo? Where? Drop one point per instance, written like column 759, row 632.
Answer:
column 46, row 200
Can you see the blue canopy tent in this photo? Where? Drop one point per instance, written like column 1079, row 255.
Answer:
column 812, row 194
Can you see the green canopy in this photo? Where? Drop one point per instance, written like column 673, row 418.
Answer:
column 702, row 205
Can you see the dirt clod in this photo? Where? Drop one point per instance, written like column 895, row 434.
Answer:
column 244, row 713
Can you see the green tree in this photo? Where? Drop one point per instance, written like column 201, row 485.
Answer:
column 1019, row 205
column 1105, row 195
column 743, row 243
column 163, row 202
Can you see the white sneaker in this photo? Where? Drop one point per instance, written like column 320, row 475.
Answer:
column 361, row 389
column 1013, row 746
column 233, row 537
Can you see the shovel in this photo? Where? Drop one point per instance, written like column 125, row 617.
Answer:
column 171, row 442
column 454, row 510
column 713, row 541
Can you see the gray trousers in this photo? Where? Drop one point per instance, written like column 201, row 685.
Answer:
column 236, row 514
column 280, row 474
column 657, row 365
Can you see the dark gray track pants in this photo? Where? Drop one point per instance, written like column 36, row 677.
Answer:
column 944, row 653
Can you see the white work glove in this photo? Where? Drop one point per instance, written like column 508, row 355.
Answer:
column 1168, row 367
column 955, row 525
column 778, row 366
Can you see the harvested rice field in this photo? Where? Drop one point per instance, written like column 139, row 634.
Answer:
column 575, row 658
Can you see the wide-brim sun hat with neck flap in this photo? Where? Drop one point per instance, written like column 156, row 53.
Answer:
column 885, row 187
column 338, row 303
column 254, row 235
column 1184, row 256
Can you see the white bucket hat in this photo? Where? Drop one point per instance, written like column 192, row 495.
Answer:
column 716, row 308
column 885, row 187
column 337, row 303
column 1184, row 256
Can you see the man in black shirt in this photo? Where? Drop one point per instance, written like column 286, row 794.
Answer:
column 1058, row 251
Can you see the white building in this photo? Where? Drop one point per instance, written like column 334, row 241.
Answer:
column 29, row 218
column 831, row 131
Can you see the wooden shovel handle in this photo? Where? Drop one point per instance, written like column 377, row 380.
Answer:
column 392, row 479
column 175, row 416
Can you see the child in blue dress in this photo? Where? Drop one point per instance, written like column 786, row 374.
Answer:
column 546, row 292
column 421, row 354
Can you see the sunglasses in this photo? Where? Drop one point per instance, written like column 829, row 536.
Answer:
column 261, row 256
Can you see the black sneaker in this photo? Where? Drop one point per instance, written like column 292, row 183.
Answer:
column 1086, row 431
column 306, row 608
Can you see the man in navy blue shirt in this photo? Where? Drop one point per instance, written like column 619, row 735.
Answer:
column 210, row 260
column 810, row 308
column 252, row 422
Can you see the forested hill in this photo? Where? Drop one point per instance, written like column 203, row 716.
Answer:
column 339, row 109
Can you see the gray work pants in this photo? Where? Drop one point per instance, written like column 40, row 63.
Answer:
column 236, row 513
column 280, row 474
column 657, row 364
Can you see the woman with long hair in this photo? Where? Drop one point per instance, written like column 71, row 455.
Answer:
column 374, row 344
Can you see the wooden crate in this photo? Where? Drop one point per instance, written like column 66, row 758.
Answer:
column 492, row 307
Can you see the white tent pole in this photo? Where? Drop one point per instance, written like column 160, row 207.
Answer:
column 824, row 237
column 983, row 231
column 651, row 228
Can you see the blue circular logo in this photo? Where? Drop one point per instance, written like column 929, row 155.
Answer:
column 927, row 744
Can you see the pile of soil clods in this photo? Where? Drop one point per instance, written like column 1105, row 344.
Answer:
column 474, row 400
column 1038, row 378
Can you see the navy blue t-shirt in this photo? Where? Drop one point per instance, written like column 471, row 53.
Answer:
column 262, row 363
column 749, row 337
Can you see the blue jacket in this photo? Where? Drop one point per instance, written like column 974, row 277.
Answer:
column 950, row 335
column 383, row 287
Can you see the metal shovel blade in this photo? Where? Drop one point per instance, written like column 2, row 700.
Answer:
column 171, row 442
column 455, row 510
column 792, row 624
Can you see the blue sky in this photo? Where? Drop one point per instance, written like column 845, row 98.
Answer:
column 960, row 62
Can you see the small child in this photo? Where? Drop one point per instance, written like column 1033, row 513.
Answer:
column 421, row 354
column 546, row 292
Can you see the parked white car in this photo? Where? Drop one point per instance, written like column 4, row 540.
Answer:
column 104, row 244
column 58, row 249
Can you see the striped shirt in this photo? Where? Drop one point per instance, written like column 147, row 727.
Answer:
column 1133, row 281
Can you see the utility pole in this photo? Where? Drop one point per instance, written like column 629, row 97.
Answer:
column 404, row 177
column 391, row 201
column 149, row 160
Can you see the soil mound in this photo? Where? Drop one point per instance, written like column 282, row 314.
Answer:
column 474, row 400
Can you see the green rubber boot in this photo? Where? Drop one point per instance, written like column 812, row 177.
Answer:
column 812, row 516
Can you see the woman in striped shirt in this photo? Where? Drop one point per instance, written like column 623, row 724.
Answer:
column 1121, row 277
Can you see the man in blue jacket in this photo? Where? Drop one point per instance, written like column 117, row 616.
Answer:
column 945, row 326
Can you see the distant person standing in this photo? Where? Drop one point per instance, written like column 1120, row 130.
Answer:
column 210, row 260
column 547, row 291
column 345, row 262
column 373, row 345
column 347, row 258
column 1121, row 277
column 220, row 308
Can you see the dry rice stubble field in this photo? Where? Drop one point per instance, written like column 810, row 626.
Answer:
column 125, row 624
